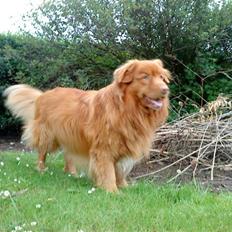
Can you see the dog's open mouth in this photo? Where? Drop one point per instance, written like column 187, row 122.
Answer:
column 154, row 103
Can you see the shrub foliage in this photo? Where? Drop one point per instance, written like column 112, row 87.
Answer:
column 80, row 42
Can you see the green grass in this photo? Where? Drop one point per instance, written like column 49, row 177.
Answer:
column 66, row 204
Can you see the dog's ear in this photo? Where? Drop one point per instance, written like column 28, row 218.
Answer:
column 159, row 62
column 124, row 74
column 165, row 73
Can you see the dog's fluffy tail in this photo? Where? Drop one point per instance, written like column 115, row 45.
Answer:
column 20, row 100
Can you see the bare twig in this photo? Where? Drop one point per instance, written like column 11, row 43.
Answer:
column 214, row 156
column 180, row 173
column 179, row 160
column 198, row 156
column 202, row 139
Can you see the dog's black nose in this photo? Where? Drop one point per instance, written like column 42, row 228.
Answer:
column 164, row 90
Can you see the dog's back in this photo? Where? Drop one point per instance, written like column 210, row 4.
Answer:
column 59, row 119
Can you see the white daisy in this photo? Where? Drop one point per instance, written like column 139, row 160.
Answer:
column 91, row 190
column 82, row 174
column 33, row 223
column 18, row 228
column 6, row 193
column 38, row 206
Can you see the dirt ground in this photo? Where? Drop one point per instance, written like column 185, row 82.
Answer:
column 222, row 179
column 11, row 144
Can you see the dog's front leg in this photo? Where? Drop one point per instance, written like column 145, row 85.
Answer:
column 122, row 169
column 120, row 177
column 102, row 171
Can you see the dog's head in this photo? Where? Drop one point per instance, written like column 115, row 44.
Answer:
column 146, row 79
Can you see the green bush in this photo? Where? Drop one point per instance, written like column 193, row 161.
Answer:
column 80, row 43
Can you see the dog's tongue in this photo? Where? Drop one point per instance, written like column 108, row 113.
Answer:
column 155, row 104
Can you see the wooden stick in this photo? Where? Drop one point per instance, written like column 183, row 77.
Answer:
column 179, row 160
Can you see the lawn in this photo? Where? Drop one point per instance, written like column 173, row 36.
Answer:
column 55, row 201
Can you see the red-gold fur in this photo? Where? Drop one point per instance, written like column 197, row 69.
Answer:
column 105, row 126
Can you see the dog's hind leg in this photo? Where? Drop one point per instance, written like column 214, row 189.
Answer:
column 41, row 161
column 32, row 137
column 42, row 154
column 69, row 164
column 44, row 142
column 102, row 170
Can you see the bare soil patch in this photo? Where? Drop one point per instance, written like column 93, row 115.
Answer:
column 12, row 144
column 222, row 178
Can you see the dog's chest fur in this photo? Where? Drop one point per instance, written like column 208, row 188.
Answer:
column 122, row 128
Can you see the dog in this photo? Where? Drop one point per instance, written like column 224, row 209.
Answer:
column 110, row 128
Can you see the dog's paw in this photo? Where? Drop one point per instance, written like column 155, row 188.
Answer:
column 111, row 188
column 41, row 168
column 122, row 184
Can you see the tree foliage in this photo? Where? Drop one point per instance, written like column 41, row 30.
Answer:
column 80, row 42
column 192, row 37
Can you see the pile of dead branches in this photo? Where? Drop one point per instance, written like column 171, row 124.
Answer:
column 203, row 139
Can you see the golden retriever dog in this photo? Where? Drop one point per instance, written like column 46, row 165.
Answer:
column 110, row 128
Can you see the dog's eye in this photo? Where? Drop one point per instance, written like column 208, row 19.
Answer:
column 146, row 77
column 163, row 78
